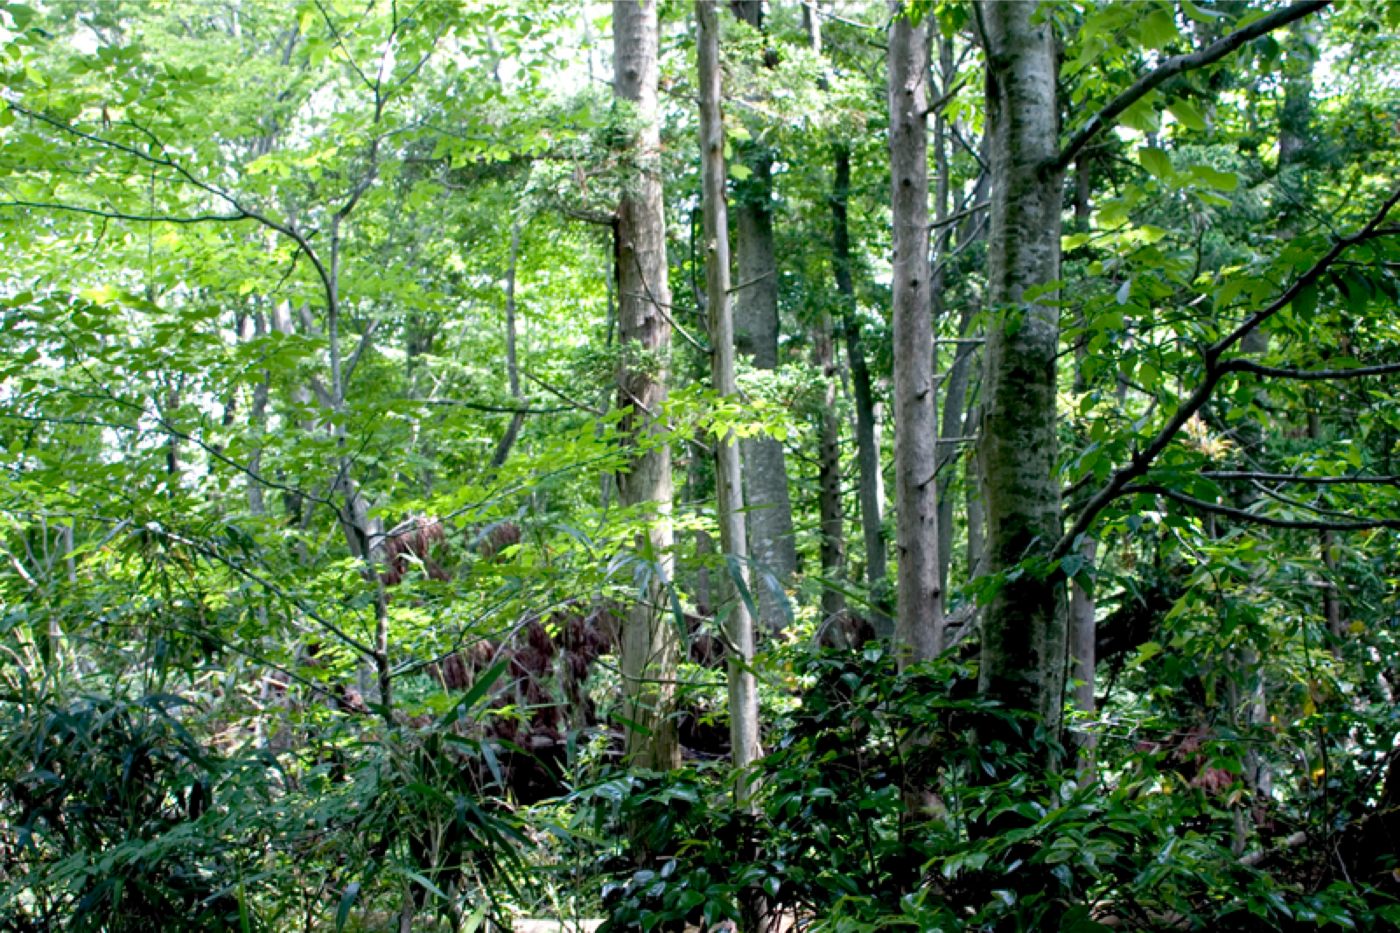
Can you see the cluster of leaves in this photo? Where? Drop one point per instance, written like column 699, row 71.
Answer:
column 123, row 819
column 878, row 806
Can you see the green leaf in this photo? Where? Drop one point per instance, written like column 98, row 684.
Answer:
column 1073, row 241
column 1220, row 180
column 1156, row 161
column 427, row 885
column 1147, row 651
column 1305, row 302
column 347, row 900
column 1158, row 28
column 1187, row 115
column 1141, row 116
column 1078, row 920
column 474, row 922
column 478, row 689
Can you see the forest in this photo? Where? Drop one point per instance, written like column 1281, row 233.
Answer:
column 806, row 465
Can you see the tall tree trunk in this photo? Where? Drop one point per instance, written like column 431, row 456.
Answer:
column 833, row 545
column 650, row 645
column 773, row 546
column 743, row 688
column 867, row 440
column 1023, row 627
column 955, row 383
column 919, row 617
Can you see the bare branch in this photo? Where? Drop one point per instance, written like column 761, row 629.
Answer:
column 135, row 218
column 1299, row 524
column 1251, row 476
column 1309, row 375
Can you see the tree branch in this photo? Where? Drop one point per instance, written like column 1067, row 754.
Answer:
column 286, row 229
column 1179, row 64
column 1308, row 375
column 1248, row 475
column 1215, row 370
column 1301, row 524
column 120, row 215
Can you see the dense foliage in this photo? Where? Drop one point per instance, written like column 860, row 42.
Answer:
column 319, row 553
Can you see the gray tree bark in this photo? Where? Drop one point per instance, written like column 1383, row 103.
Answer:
column 743, row 687
column 1023, row 627
column 650, row 645
column 919, row 616
column 955, row 383
column 1083, row 609
column 772, row 544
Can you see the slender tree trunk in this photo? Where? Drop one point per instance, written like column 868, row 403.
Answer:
column 650, row 645
column 257, row 423
column 950, row 425
column 773, row 546
column 743, row 688
column 1023, row 626
column 1083, row 609
column 955, row 383
column 512, row 363
column 833, row 544
column 867, row 439
column 919, row 617
column 1083, row 620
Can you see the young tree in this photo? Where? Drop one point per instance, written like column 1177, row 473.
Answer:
column 872, row 489
column 739, row 627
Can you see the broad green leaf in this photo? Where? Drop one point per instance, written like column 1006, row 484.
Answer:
column 1187, row 114
column 1220, row 180
column 1305, row 302
column 1158, row 28
column 1156, row 161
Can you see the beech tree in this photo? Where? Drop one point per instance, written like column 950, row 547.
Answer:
column 919, row 621
column 649, row 642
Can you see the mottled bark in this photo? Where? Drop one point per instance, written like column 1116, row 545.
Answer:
column 739, row 625
column 649, row 641
column 919, row 616
column 773, row 546
column 1023, row 627
column 871, row 495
